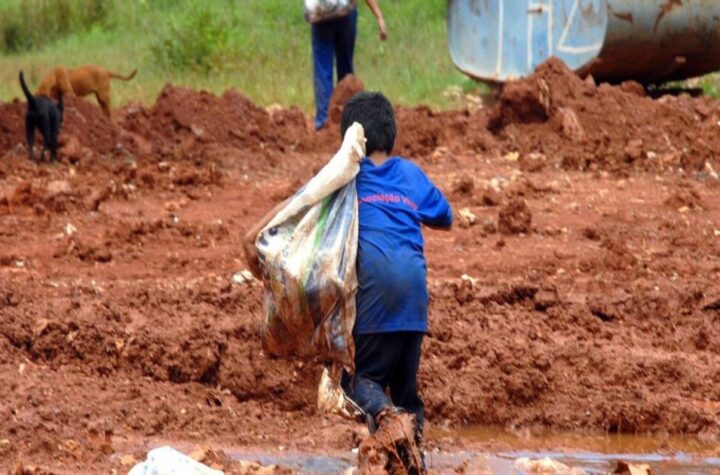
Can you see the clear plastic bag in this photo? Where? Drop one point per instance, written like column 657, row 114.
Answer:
column 308, row 254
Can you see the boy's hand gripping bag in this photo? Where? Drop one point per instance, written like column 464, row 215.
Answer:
column 308, row 252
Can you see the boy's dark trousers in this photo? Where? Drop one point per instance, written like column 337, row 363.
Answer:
column 387, row 360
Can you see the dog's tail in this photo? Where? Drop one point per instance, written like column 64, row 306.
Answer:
column 28, row 94
column 120, row 76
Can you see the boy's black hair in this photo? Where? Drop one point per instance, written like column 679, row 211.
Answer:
column 375, row 113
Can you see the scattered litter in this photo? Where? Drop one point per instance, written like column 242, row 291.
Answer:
column 167, row 461
column 545, row 466
column 466, row 218
column 453, row 92
column 274, row 109
column 468, row 278
column 242, row 277
column 70, row 229
column 19, row 264
column 711, row 171
column 512, row 156
column 498, row 183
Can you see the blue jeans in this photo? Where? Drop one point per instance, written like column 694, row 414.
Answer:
column 385, row 360
column 333, row 38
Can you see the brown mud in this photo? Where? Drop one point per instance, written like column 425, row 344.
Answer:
column 121, row 326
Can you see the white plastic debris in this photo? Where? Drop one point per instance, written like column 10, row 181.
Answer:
column 168, row 461
column 711, row 171
column 70, row 229
column 242, row 277
column 466, row 218
column 512, row 156
column 545, row 466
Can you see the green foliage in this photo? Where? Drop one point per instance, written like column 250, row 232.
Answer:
column 32, row 24
column 711, row 85
column 196, row 38
column 260, row 47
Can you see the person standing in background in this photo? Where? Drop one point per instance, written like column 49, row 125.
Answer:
column 334, row 28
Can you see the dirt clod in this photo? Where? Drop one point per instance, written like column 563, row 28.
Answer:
column 343, row 92
column 515, row 217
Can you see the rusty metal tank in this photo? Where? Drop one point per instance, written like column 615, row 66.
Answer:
column 649, row 41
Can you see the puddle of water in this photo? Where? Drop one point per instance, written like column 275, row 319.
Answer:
column 592, row 442
column 595, row 453
column 301, row 462
column 498, row 450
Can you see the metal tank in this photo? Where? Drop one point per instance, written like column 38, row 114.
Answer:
column 614, row 40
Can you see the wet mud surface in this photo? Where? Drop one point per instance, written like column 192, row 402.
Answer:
column 583, row 295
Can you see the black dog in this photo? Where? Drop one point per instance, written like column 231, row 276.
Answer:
column 42, row 113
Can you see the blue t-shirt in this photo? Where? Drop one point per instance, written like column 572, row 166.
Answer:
column 394, row 199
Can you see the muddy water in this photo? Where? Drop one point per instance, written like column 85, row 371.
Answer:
column 597, row 453
column 494, row 451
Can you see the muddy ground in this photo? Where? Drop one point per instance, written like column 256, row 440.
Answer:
column 590, row 297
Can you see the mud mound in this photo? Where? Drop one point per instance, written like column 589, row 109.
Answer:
column 344, row 90
column 585, row 126
column 12, row 125
column 538, row 97
column 423, row 132
column 84, row 127
column 182, row 116
column 93, row 129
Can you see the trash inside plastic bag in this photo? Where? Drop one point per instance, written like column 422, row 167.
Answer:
column 168, row 461
column 308, row 252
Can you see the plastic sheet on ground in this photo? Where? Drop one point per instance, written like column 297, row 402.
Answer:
column 168, row 461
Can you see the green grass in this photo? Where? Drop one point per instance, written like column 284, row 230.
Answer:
column 260, row 47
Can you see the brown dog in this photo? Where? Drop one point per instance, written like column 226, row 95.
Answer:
column 81, row 81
